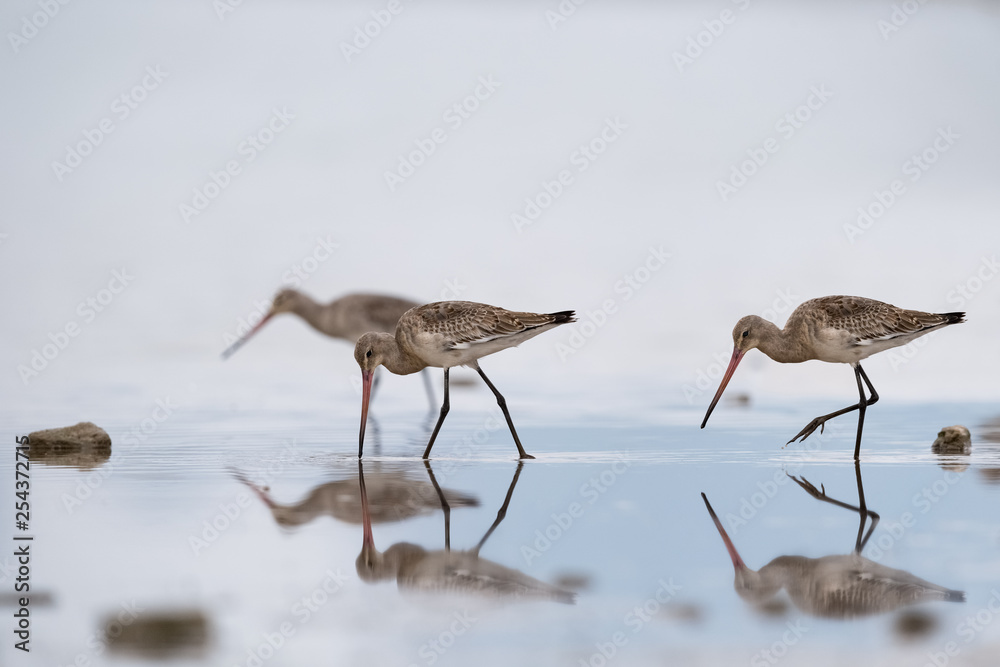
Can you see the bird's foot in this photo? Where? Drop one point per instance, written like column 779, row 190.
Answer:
column 525, row 455
column 810, row 488
column 808, row 430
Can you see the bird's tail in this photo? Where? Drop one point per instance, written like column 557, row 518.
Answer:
column 952, row 318
column 457, row 499
column 563, row 317
column 954, row 596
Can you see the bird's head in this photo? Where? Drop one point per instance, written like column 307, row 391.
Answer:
column 747, row 333
column 746, row 336
column 285, row 301
column 370, row 352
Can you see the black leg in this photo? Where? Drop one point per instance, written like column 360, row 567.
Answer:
column 859, row 374
column 502, row 402
column 862, row 404
column 860, row 543
column 861, row 508
column 445, row 406
column 445, row 507
column 503, row 509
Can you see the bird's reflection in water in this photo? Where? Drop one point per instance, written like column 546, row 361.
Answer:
column 392, row 496
column 839, row 586
column 445, row 571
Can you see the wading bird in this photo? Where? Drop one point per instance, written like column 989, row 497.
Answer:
column 838, row 586
column 836, row 329
column 348, row 318
column 445, row 571
column 446, row 334
column 393, row 495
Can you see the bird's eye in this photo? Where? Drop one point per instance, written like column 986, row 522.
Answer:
column 368, row 353
column 746, row 333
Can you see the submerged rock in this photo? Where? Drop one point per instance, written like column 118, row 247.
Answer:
column 84, row 445
column 158, row 634
column 953, row 440
column 914, row 624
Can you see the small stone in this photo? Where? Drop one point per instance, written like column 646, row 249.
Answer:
column 953, row 440
column 84, row 445
column 740, row 399
column 915, row 623
column 159, row 634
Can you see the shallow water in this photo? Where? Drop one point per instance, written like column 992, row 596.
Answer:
column 610, row 509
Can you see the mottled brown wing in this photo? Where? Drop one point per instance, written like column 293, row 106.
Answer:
column 465, row 323
column 870, row 320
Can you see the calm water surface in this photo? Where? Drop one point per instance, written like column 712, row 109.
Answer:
column 606, row 553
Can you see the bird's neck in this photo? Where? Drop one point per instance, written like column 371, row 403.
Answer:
column 397, row 359
column 313, row 313
column 761, row 585
column 782, row 345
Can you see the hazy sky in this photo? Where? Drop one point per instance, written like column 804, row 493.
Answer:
column 674, row 165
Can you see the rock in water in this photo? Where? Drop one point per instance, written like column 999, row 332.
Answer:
column 84, row 445
column 953, row 440
column 159, row 635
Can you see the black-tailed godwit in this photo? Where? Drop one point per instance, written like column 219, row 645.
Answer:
column 443, row 335
column 836, row 329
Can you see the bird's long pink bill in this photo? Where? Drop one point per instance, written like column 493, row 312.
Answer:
column 228, row 352
column 733, row 554
column 366, row 515
column 265, row 498
column 733, row 363
column 366, row 393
